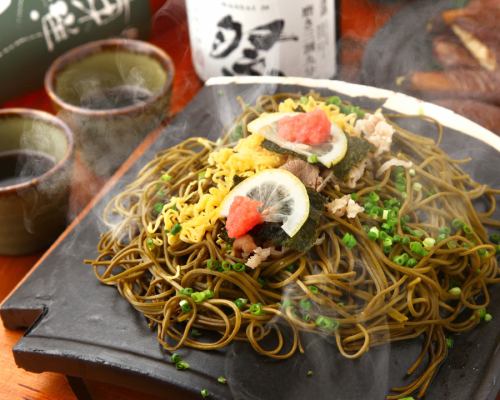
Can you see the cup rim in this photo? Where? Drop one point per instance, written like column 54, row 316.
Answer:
column 81, row 52
column 38, row 115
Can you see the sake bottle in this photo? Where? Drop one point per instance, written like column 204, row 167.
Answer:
column 263, row 37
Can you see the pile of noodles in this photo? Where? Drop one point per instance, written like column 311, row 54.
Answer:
column 374, row 300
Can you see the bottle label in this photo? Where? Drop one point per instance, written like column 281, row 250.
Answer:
column 263, row 37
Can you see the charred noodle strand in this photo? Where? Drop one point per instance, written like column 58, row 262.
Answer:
column 375, row 300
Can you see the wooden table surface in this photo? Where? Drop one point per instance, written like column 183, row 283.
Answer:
column 360, row 19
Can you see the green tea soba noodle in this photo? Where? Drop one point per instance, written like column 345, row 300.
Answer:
column 352, row 228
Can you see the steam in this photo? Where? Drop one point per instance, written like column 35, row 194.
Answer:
column 50, row 196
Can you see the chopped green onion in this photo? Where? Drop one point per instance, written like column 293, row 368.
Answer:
column 202, row 174
column 488, row 317
column 482, row 252
column 349, row 240
column 405, row 218
column 482, row 313
column 335, row 100
column 256, row 309
column 457, row 223
column 226, row 266
column 445, row 230
column 441, row 237
column 222, row 380
column 241, row 302
column 186, row 291
column 417, row 248
column 385, row 214
column 176, row 229
column 452, row 244
column 418, row 233
column 305, row 304
column 349, row 109
column 387, row 242
column 326, row 323
column 209, row 294
column 239, row 267
column 373, row 233
column 166, row 177
column 197, row 297
column 412, row 172
column 417, row 186
column 313, row 289
column 181, row 365
column 411, row 262
column 374, row 197
column 405, row 240
column 375, row 211
column 237, row 133
column 309, row 373
column 455, row 291
column 401, row 259
column 204, row 393
column 407, row 398
column 303, row 100
column 158, row 207
column 396, row 238
column 354, row 196
column 213, row 264
column 387, row 227
column 449, row 342
column 306, row 317
column 312, row 159
column 467, row 229
column 387, row 249
column 429, row 242
column 185, row 306
column 175, row 358
column 150, row 244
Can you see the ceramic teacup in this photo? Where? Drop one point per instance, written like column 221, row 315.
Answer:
column 36, row 160
column 111, row 93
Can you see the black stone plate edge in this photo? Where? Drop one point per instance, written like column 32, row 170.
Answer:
column 20, row 317
column 62, row 361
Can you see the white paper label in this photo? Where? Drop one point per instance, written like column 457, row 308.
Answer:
column 263, row 37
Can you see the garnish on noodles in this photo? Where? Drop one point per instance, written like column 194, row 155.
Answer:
column 333, row 221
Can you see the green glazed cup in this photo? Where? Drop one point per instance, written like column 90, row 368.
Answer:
column 33, row 210
column 111, row 93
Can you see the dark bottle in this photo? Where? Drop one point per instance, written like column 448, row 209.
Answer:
column 264, row 37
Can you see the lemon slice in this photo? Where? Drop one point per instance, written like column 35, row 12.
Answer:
column 329, row 153
column 283, row 196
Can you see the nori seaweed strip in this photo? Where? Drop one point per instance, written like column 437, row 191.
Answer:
column 357, row 150
column 271, row 146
